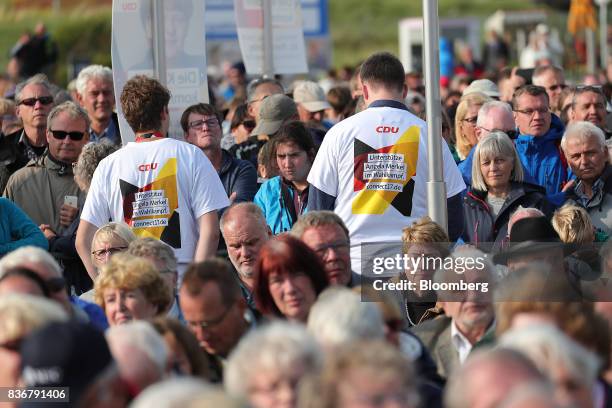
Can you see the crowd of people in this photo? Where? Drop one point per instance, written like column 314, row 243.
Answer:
column 247, row 265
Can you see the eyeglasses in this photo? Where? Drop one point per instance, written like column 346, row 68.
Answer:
column 321, row 251
column 558, row 86
column 61, row 135
column 210, row 323
column 102, row 253
column 471, row 120
column 56, row 284
column 12, row 345
column 531, row 112
column 210, row 123
column 249, row 124
column 44, row 100
column 512, row 133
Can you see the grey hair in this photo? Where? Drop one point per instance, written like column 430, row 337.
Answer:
column 541, row 392
column 339, row 316
column 254, row 84
column 154, row 248
column 456, row 391
column 540, row 71
column 485, row 110
column 276, row 347
column 73, row 110
column 549, row 347
column 251, row 209
column 21, row 313
column 317, row 219
column 91, row 155
column 29, row 254
column 172, row 393
column 140, row 335
column 582, row 131
column 38, row 79
column 493, row 145
column 91, row 72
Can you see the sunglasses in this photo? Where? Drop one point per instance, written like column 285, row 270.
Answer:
column 249, row 124
column 61, row 135
column 44, row 100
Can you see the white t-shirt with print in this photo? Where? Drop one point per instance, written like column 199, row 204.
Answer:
column 375, row 164
column 159, row 188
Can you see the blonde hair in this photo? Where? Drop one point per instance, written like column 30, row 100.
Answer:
column 493, row 145
column 425, row 231
column 573, row 224
column 112, row 230
column 21, row 313
column 472, row 99
column 125, row 271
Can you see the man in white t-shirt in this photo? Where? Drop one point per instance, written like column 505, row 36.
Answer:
column 371, row 168
column 161, row 187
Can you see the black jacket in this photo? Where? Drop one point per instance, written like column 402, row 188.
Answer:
column 481, row 227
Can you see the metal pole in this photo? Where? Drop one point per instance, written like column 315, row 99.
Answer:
column 603, row 32
column 436, row 188
column 268, row 58
column 159, row 41
column 590, row 43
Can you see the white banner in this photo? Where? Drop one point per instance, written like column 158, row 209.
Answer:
column 185, row 51
column 288, row 50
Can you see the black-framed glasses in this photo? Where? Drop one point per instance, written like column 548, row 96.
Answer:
column 44, row 100
column 61, row 135
column 321, row 251
column 100, row 254
column 531, row 112
column 203, row 324
column 210, row 123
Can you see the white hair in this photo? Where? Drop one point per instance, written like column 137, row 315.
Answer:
column 538, row 393
column 339, row 316
column 548, row 347
column 583, row 131
column 22, row 313
column 32, row 255
column 485, row 110
column 274, row 348
column 91, row 72
column 172, row 393
column 142, row 336
column 530, row 211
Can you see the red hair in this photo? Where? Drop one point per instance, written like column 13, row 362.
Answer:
column 285, row 255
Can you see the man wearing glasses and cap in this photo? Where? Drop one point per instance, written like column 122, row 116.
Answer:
column 34, row 102
column 45, row 188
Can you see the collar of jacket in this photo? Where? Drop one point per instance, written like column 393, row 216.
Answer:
column 554, row 133
column 517, row 190
column 226, row 162
column 51, row 163
column 388, row 103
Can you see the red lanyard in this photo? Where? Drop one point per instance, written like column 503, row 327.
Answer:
column 147, row 136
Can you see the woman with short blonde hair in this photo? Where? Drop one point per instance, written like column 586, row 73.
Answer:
column 131, row 288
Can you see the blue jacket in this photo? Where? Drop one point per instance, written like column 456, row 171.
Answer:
column 17, row 229
column 541, row 157
column 238, row 176
column 275, row 208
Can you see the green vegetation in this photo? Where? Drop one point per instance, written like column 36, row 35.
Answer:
column 360, row 27
column 82, row 33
